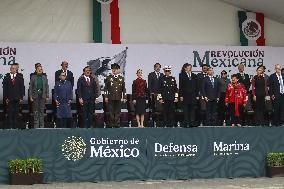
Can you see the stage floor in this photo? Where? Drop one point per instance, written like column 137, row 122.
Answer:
column 243, row 183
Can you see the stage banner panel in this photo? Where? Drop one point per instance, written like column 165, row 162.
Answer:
column 132, row 57
column 77, row 155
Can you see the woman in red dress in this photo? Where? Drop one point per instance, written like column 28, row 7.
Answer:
column 139, row 97
column 235, row 100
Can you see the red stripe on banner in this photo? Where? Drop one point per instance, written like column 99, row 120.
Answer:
column 115, row 29
column 260, row 18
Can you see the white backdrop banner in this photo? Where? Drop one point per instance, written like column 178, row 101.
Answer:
column 132, row 57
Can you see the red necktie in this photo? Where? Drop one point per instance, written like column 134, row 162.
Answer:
column 88, row 81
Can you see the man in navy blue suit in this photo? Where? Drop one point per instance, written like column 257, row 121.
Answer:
column 211, row 92
column 86, row 90
column 68, row 73
column 13, row 93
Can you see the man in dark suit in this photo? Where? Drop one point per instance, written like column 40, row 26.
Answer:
column 68, row 73
column 200, row 111
column 243, row 77
column 86, row 90
column 188, row 92
column 114, row 95
column 211, row 93
column 153, row 85
column 153, row 79
column 13, row 93
column 276, row 92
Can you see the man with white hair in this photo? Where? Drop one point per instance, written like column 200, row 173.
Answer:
column 243, row 77
column 168, row 96
column 13, row 93
column 276, row 92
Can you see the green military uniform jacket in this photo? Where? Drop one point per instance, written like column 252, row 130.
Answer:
column 115, row 87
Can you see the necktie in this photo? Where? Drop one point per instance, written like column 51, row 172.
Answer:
column 158, row 75
column 281, row 84
column 13, row 79
column 88, row 81
column 243, row 76
column 212, row 81
column 189, row 76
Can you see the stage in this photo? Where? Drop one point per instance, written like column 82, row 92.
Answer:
column 79, row 155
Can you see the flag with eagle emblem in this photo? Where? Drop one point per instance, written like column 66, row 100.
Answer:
column 251, row 26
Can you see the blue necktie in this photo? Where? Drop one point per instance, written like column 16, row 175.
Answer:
column 212, row 81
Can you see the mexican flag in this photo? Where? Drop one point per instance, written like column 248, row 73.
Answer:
column 106, row 21
column 251, row 26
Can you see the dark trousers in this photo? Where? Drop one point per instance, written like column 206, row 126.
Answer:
column 38, row 110
column 87, row 113
column 211, row 112
column 235, row 119
column 259, row 110
column 169, row 113
column 200, row 111
column 13, row 112
column 65, row 122
column 114, row 113
column 278, row 106
column 189, row 114
column 222, row 109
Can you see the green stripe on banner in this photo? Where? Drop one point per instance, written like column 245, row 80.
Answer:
column 242, row 17
column 97, row 23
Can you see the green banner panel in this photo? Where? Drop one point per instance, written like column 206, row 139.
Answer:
column 74, row 155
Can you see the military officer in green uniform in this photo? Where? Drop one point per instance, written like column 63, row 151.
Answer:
column 114, row 95
column 168, row 96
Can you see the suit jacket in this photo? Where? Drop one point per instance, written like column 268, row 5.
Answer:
column 85, row 91
column 69, row 77
column 168, row 88
column 153, row 82
column 245, row 81
column 212, row 93
column 98, row 89
column 13, row 92
column 188, row 87
column 274, row 85
column 63, row 91
column 115, row 87
column 200, row 77
column 259, row 86
column 33, row 87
